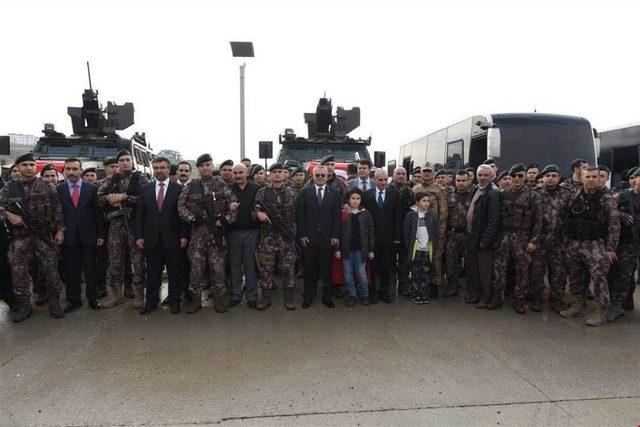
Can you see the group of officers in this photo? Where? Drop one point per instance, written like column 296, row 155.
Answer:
column 241, row 229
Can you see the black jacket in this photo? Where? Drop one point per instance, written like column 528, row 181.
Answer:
column 486, row 218
column 318, row 221
column 410, row 230
column 367, row 234
column 388, row 221
column 160, row 228
column 84, row 224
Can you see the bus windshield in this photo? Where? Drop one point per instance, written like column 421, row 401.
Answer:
column 544, row 139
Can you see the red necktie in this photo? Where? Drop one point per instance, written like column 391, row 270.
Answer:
column 75, row 196
column 160, row 200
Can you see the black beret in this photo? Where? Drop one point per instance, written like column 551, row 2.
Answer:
column 636, row 172
column 632, row 172
column 517, row 168
column 276, row 166
column 256, row 169
column 203, row 158
column 226, row 163
column 440, row 172
column 489, row 162
column 109, row 161
column 550, row 168
column 327, row 159
column 48, row 167
column 604, row 168
column 416, row 170
column 297, row 169
column 470, row 170
column 533, row 166
column 26, row 157
column 88, row 170
column 539, row 176
column 122, row 153
column 624, row 173
column 502, row 174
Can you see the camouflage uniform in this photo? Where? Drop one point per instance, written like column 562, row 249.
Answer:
column 550, row 255
column 592, row 227
column 203, row 248
column 521, row 224
column 621, row 275
column 571, row 185
column 457, row 237
column 120, row 240
column 40, row 199
column 439, row 207
column 274, row 245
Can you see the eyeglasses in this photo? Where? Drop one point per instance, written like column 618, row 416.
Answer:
column 319, row 175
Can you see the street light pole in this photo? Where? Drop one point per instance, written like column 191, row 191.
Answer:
column 242, row 111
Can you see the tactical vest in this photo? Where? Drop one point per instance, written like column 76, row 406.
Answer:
column 517, row 214
column 586, row 218
column 36, row 202
column 628, row 204
column 280, row 202
column 199, row 197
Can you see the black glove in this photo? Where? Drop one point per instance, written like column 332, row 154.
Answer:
column 197, row 220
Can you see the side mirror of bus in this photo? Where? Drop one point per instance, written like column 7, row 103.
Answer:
column 493, row 143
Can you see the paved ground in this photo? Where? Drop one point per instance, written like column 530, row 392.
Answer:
column 445, row 363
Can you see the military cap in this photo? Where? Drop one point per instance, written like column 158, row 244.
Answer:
column 416, row 170
column 427, row 166
column 88, row 170
column 109, row 161
column 502, row 175
column 489, row 162
column 48, row 167
column 441, row 172
column 256, row 169
column 327, row 159
column 550, row 168
column 632, row 172
column 604, row 168
column 624, row 173
column 226, row 163
column 533, row 166
column 123, row 152
column 203, row 158
column 26, row 157
column 297, row 169
column 636, row 171
column 539, row 176
column 276, row 166
column 517, row 168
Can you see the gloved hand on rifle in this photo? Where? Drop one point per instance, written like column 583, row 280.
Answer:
column 198, row 220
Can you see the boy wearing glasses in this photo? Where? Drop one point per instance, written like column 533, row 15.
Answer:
column 521, row 229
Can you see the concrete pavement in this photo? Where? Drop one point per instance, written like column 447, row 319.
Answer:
column 444, row 363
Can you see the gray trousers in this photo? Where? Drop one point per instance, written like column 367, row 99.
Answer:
column 479, row 272
column 242, row 245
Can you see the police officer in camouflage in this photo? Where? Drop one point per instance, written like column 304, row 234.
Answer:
column 275, row 207
column 118, row 197
column 621, row 275
column 521, row 229
column 209, row 205
column 458, row 202
column 550, row 256
column 592, row 228
column 33, row 212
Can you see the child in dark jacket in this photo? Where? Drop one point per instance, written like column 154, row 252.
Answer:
column 420, row 233
column 357, row 240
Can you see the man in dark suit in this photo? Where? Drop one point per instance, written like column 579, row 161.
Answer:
column 318, row 221
column 385, row 205
column 483, row 222
column 161, row 234
column 84, row 232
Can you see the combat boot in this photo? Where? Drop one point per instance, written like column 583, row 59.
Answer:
column 536, row 304
column 220, row 304
column 628, row 303
column 615, row 311
column 495, row 303
column 114, row 299
column 598, row 318
column 557, row 304
column 518, row 305
column 23, row 311
column 265, row 300
column 41, row 298
column 575, row 309
column 195, row 304
column 128, row 291
column 54, row 307
column 138, row 301
column 289, row 303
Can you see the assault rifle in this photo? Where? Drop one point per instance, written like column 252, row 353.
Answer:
column 211, row 218
column 37, row 227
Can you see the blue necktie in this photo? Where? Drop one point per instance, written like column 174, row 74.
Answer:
column 380, row 201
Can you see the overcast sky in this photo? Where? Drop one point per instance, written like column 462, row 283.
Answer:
column 412, row 68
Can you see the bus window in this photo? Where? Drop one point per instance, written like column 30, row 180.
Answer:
column 455, row 151
column 436, row 147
